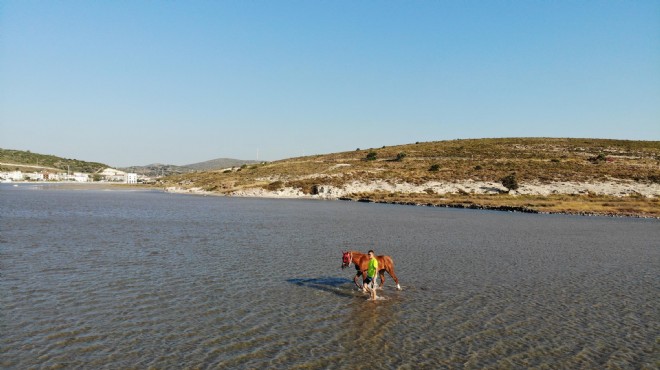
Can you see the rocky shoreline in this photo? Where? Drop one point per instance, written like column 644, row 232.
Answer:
column 497, row 208
column 619, row 189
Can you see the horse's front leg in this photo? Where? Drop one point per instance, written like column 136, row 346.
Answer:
column 364, row 279
column 355, row 280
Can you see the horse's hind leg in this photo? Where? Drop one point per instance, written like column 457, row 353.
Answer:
column 393, row 275
column 381, row 273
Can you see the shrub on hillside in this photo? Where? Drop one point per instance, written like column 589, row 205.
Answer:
column 400, row 156
column 274, row 186
column 598, row 159
column 371, row 156
column 654, row 179
column 510, row 182
column 434, row 168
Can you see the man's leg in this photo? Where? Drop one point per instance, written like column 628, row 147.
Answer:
column 372, row 289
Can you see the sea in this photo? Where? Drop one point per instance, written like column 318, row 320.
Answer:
column 94, row 278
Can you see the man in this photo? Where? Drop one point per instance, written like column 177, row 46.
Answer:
column 372, row 272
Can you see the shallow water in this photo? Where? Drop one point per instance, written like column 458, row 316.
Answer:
column 121, row 279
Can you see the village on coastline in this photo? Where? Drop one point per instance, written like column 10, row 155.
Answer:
column 110, row 175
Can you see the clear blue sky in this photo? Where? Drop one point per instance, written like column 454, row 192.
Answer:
column 178, row 82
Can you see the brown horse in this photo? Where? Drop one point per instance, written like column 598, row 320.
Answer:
column 361, row 261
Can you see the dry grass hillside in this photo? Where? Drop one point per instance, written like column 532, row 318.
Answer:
column 538, row 161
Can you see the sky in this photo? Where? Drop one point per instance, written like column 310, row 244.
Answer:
column 179, row 82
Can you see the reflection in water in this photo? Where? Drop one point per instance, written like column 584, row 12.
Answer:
column 113, row 279
column 371, row 325
column 326, row 284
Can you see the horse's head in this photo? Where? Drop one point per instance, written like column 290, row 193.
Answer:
column 346, row 259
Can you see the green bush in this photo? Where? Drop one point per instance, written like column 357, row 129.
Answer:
column 400, row 156
column 510, row 182
column 371, row 156
column 434, row 168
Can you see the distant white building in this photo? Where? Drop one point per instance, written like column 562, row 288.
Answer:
column 6, row 177
column 15, row 175
column 35, row 176
column 80, row 177
column 109, row 172
column 54, row 176
column 131, row 178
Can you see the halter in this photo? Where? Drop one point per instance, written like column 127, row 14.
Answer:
column 350, row 259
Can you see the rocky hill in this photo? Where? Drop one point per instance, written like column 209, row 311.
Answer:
column 545, row 175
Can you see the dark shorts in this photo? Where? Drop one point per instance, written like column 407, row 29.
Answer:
column 368, row 280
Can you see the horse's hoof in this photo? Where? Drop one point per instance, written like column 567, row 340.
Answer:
column 398, row 287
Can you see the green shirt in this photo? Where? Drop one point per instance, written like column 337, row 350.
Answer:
column 373, row 267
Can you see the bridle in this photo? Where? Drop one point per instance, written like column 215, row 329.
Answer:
column 350, row 259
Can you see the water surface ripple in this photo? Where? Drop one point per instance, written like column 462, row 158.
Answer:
column 138, row 279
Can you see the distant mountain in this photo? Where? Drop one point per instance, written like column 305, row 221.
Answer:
column 159, row 169
column 25, row 160
column 219, row 163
